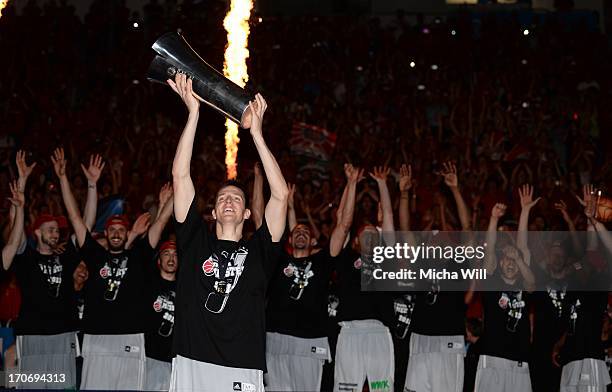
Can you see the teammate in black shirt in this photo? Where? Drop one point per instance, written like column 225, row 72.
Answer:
column 503, row 364
column 161, row 291
column 219, row 336
column 297, row 302
column 364, row 348
column 113, row 321
column 436, row 348
column 47, row 324
column 580, row 349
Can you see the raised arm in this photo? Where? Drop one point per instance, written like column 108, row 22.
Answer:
column 405, row 183
column 59, row 165
column 291, row 216
column 527, row 202
column 139, row 228
column 24, row 173
column 590, row 210
column 257, row 203
column 562, row 208
column 380, row 175
column 449, row 172
column 523, row 265
column 276, row 209
column 184, row 190
column 9, row 251
column 96, row 165
column 165, row 212
column 347, row 210
column 497, row 212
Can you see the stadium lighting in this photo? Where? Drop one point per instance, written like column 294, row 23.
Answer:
column 526, row 32
column 412, row 64
column 135, row 25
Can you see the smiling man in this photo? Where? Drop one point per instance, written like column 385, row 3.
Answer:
column 298, row 299
column 113, row 321
column 220, row 326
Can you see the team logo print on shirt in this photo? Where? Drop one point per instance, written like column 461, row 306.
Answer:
column 332, row 305
column 52, row 270
column 113, row 272
column 357, row 264
column 288, row 271
column 503, row 301
column 512, row 302
column 105, row 271
column 209, row 266
column 165, row 303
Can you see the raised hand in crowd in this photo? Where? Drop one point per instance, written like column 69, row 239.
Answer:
column 16, row 236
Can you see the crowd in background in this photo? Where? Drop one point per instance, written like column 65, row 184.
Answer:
column 508, row 108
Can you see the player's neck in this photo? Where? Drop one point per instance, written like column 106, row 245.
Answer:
column 298, row 253
column 170, row 276
column 44, row 249
column 511, row 282
column 229, row 231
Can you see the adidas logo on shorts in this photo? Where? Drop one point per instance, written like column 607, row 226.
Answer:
column 243, row 387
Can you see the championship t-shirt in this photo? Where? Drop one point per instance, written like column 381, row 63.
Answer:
column 549, row 308
column 583, row 318
column 115, row 290
column 47, row 290
column 220, row 298
column 353, row 303
column 160, row 318
column 298, row 296
column 507, row 330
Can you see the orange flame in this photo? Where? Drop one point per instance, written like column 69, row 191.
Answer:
column 236, row 24
column 3, row 3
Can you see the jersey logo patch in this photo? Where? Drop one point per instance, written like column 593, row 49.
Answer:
column 208, row 267
column 104, row 271
column 288, row 271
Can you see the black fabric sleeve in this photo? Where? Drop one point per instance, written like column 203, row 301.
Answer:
column 92, row 253
column 270, row 251
column 192, row 228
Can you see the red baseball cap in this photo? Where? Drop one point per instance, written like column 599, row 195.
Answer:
column 117, row 220
column 42, row 219
column 167, row 245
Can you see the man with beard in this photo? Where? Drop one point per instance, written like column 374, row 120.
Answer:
column 503, row 364
column 161, row 292
column 46, row 327
column 297, row 344
column 219, row 335
column 113, row 321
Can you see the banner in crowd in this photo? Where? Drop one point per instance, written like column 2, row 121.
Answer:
column 313, row 147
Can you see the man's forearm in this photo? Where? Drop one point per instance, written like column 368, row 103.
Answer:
column 181, row 166
column 528, row 276
column 491, row 237
column 274, row 175
column 404, row 211
column 14, row 241
column 462, row 209
column 521, row 236
column 387, row 208
column 89, row 214
column 257, row 208
column 73, row 212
